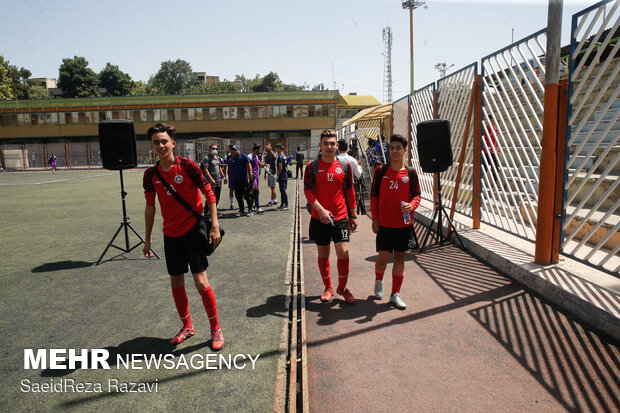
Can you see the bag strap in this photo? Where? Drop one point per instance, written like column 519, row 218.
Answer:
column 177, row 196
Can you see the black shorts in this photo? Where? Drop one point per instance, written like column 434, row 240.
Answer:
column 323, row 234
column 181, row 251
column 393, row 239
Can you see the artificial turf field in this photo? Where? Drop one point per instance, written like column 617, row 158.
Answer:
column 55, row 227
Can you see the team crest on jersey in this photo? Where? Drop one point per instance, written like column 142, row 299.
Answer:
column 405, row 179
column 178, row 179
column 338, row 170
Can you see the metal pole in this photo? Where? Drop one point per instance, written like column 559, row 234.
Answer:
column 412, row 88
column 548, row 159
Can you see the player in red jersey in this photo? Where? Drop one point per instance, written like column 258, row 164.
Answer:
column 395, row 195
column 332, row 197
column 187, row 180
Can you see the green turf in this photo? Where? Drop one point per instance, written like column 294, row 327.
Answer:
column 54, row 227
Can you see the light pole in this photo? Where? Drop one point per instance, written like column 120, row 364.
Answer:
column 411, row 5
column 442, row 68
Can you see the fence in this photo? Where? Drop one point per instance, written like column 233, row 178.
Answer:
column 509, row 118
column 591, row 190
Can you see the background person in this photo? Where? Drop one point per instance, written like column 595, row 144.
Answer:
column 282, row 175
column 241, row 175
column 228, row 168
column 179, row 238
column 212, row 168
column 299, row 163
column 269, row 157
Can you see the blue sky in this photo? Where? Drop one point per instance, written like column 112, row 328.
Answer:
column 312, row 42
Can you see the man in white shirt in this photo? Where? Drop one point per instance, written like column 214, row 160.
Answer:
column 343, row 146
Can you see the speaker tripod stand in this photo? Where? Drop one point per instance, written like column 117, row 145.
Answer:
column 126, row 226
column 437, row 215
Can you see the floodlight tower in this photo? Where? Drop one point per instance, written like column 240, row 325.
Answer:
column 387, row 65
column 412, row 5
column 442, row 68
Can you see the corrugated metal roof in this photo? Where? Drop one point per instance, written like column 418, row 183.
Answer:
column 355, row 100
column 377, row 112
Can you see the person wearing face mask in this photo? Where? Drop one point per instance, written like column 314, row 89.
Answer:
column 212, row 168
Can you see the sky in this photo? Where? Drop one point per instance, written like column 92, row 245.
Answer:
column 335, row 42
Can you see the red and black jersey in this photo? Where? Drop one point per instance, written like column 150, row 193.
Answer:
column 330, row 189
column 188, row 181
column 395, row 187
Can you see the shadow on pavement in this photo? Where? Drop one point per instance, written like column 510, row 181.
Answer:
column 273, row 306
column 363, row 311
column 61, row 265
column 579, row 368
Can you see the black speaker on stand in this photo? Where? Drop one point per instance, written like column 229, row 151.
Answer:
column 435, row 154
column 117, row 144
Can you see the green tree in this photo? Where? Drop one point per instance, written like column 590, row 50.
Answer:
column 76, row 79
column 115, row 81
column 6, row 89
column 38, row 92
column 17, row 79
column 139, row 88
column 174, row 78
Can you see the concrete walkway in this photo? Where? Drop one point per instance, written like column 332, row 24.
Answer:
column 471, row 339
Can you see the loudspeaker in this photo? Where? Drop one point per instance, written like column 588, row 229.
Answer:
column 117, row 143
column 434, row 148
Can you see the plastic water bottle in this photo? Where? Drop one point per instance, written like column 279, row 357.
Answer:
column 406, row 217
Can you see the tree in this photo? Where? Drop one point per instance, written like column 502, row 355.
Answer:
column 139, row 88
column 174, row 78
column 6, row 91
column 76, row 79
column 115, row 81
column 38, row 92
column 17, row 79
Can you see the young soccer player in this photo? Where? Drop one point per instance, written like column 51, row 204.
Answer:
column 394, row 196
column 332, row 197
column 187, row 180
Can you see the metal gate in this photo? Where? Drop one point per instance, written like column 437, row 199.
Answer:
column 591, row 219
column 513, row 94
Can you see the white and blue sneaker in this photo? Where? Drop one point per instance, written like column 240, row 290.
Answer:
column 379, row 289
column 395, row 299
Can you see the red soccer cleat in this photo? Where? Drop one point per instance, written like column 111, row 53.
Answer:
column 217, row 339
column 184, row 334
column 346, row 294
column 327, row 295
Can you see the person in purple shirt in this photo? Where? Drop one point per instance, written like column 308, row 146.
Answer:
column 256, row 164
column 227, row 163
column 53, row 163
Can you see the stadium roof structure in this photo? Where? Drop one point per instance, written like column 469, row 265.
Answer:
column 360, row 101
column 374, row 113
column 145, row 101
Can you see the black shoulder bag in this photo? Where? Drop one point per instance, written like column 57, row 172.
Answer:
column 203, row 222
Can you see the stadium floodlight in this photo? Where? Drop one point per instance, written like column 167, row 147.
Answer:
column 412, row 5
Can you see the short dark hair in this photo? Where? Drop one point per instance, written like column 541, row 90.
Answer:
column 161, row 127
column 256, row 146
column 328, row 133
column 343, row 145
column 398, row 138
column 279, row 145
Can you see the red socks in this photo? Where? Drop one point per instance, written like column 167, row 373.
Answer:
column 379, row 274
column 324, row 270
column 343, row 273
column 208, row 300
column 397, row 281
column 180, row 301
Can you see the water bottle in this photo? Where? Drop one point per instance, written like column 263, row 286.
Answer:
column 406, row 217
